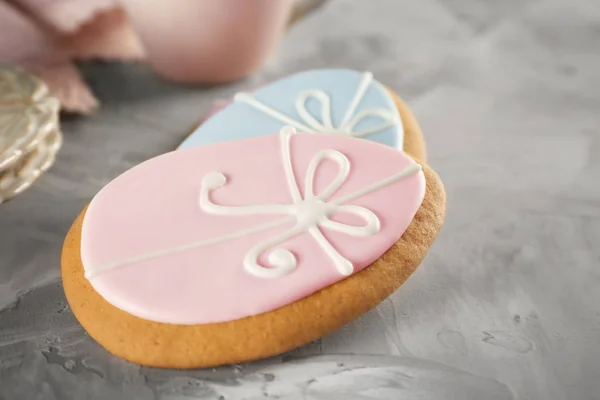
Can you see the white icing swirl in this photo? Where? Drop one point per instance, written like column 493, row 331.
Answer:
column 311, row 124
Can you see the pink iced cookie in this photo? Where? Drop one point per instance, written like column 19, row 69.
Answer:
column 221, row 232
column 246, row 249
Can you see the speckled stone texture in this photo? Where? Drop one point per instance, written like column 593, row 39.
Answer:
column 506, row 304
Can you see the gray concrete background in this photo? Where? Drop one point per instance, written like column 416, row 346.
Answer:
column 506, row 305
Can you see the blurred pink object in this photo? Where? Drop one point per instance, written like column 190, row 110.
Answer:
column 65, row 83
column 196, row 41
column 108, row 36
column 65, row 16
column 208, row 41
column 44, row 36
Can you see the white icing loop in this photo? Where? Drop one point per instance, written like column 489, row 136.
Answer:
column 311, row 124
column 309, row 211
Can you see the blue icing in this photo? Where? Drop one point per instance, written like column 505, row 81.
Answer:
column 241, row 120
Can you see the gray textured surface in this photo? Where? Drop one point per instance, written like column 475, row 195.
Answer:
column 506, row 305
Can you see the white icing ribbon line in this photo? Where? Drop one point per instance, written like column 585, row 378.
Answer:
column 310, row 124
column 310, row 212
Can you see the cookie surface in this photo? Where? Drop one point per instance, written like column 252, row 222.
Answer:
column 335, row 101
column 413, row 141
column 268, row 333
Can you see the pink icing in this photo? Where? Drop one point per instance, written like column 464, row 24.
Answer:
column 155, row 206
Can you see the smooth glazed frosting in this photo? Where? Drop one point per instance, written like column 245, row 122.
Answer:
column 230, row 230
column 309, row 212
column 335, row 101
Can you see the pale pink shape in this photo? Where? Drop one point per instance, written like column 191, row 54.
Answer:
column 66, row 84
column 108, row 36
column 21, row 40
column 155, row 206
column 74, row 29
column 65, row 16
column 23, row 44
column 208, row 41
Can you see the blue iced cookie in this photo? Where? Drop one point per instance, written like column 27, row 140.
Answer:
column 335, row 101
